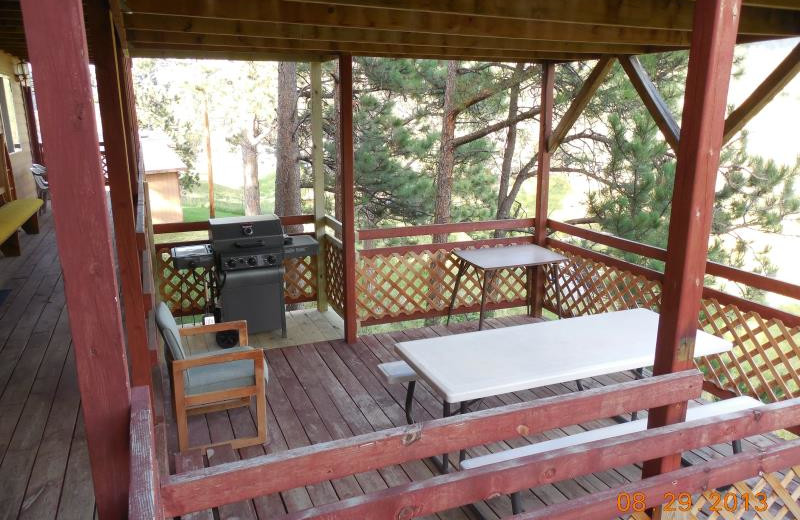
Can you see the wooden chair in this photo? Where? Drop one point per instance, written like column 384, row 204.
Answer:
column 213, row 381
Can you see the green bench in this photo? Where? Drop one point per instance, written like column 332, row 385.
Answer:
column 13, row 215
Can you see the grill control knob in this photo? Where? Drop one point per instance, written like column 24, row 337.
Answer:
column 231, row 263
column 251, row 261
column 271, row 259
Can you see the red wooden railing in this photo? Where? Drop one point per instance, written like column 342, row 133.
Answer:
column 263, row 475
column 733, row 274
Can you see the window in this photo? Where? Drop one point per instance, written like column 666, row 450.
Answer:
column 8, row 119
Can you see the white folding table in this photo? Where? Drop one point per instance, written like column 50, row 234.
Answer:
column 466, row 367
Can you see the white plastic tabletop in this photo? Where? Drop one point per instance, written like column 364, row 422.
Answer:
column 480, row 364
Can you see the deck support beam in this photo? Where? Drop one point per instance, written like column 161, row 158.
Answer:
column 348, row 196
column 587, row 90
column 763, row 94
column 64, row 91
column 543, row 179
column 710, row 61
column 318, row 169
column 100, row 31
column 652, row 99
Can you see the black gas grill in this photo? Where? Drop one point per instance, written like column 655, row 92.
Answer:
column 248, row 256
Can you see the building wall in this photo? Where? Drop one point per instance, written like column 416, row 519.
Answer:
column 165, row 197
column 20, row 159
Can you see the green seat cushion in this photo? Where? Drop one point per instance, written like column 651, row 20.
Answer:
column 221, row 376
column 169, row 331
column 13, row 214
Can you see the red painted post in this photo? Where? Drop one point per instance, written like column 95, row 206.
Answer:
column 543, row 179
column 348, row 196
column 58, row 53
column 710, row 60
column 100, row 32
column 131, row 125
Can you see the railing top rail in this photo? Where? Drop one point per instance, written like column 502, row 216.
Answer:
column 434, row 229
column 268, row 474
column 733, row 274
column 202, row 225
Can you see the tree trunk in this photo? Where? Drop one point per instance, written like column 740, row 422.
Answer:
column 252, row 195
column 446, row 161
column 504, row 202
column 337, row 187
column 287, row 173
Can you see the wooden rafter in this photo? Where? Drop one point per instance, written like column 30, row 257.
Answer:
column 231, row 54
column 582, row 99
column 397, row 20
column 652, row 99
column 169, row 29
column 655, row 14
column 763, row 94
column 150, row 39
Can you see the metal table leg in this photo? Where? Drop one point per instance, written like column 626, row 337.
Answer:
column 444, row 465
column 410, row 401
column 463, row 453
column 484, row 289
column 462, row 265
column 557, row 287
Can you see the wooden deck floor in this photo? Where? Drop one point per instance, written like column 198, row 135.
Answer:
column 329, row 390
column 317, row 392
column 44, row 463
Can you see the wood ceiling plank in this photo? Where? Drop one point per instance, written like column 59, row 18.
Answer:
column 653, row 14
column 207, row 26
column 137, row 37
column 396, row 20
column 139, row 52
column 300, row 55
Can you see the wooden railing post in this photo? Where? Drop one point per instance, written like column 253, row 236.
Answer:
column 348, row 197
column 710, row 61
column 101, row 33
column 318, row 168
column 58, row 52
column 543, row 179
column 144, row 501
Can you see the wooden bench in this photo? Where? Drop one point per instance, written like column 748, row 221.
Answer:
column 13, row 215
column 696, row 413
column 399, row 372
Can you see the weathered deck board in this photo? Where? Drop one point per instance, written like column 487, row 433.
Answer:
column 319, row 390
column 44, row 464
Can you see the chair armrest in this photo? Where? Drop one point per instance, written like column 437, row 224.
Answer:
column 214, row 358
column 240, row 325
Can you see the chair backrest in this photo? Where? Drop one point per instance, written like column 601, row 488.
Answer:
column 41, row 183
column 38, row 169
column 169, row 332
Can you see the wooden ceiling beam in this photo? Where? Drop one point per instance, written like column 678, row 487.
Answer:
column 587, row 90
column 137, row 37
column 653, row 14
column 280, row 11
column 453, row 54
column 652, row 99
column 763, row 94
column 222, row 54
column 235, row 28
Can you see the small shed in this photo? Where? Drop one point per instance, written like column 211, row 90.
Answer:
column 162, row 170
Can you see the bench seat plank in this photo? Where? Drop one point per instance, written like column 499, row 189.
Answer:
column 693, row 414
column 13, row 215
column 397, row 372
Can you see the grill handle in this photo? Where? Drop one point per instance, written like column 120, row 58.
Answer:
column 249, row 244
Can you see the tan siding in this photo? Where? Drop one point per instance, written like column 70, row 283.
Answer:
column 20, row 160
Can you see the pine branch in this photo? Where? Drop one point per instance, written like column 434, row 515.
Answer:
column 483, row 132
